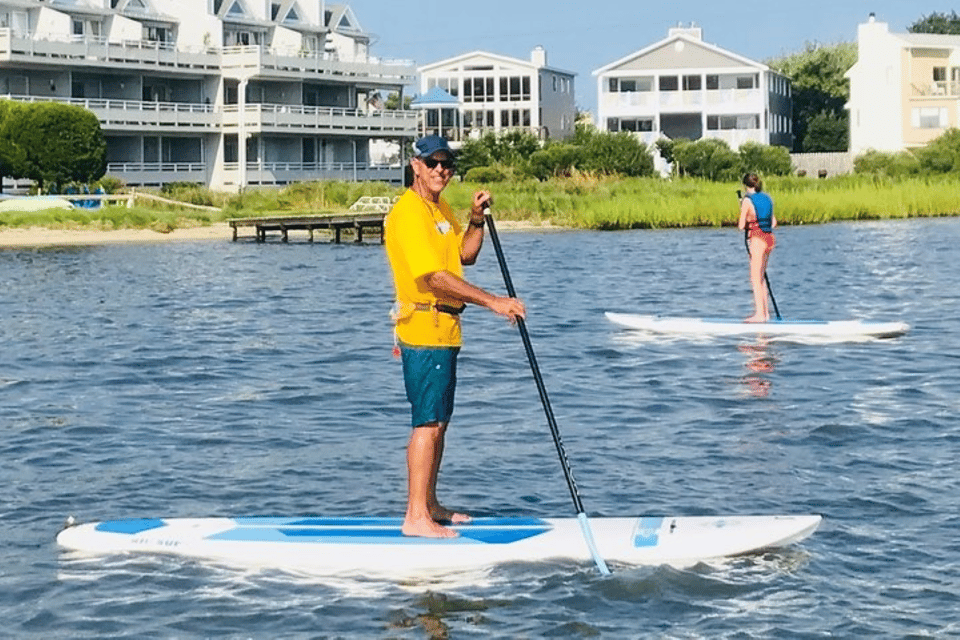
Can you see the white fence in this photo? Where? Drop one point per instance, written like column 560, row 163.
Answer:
column 816, row 165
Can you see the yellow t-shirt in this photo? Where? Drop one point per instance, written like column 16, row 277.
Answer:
column 422, row 238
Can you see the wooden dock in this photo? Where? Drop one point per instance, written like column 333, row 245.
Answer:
column 358, row 223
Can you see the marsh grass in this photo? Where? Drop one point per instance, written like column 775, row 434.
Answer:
column 108, row 218
column 650, row 203
column 582, row 201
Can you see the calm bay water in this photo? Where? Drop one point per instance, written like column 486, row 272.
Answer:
column 214, row 378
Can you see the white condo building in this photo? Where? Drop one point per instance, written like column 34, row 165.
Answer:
column 904, row 88
column 683, row 87
column 226, row 93
column 477, row 92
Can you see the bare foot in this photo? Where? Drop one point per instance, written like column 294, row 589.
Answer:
column 426, row 528
column 756, row 318
column 448, row 516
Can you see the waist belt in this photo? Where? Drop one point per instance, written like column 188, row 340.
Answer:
column 442, row 308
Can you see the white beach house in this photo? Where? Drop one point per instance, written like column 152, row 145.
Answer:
column 476, row 92
column 226, row 93
column 683, row 87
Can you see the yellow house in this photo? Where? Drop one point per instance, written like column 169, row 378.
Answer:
column 904, row 88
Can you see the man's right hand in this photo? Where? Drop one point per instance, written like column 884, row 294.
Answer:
column 511, row 308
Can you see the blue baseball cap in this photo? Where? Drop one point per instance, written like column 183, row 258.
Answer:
column 429, row 145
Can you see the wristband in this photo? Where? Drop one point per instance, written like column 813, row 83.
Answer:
column 478, row 225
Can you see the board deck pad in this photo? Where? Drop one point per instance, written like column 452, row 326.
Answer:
column 376, row 546
column 836, row 329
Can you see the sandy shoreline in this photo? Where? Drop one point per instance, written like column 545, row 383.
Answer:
column 42, row 237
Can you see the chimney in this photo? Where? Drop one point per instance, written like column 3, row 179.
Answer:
column 539, row 56
column 693, row 31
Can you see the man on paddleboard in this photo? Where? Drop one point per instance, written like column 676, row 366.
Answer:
column 427, row 249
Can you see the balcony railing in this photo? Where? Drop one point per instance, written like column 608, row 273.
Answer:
column 233, row 62
column 282, row 117
column 157, row 173
column 241, row 61
column 119, row 114
column 139, row 115
column 939, row 89
column 274, row 173
column 91, row 51
column 631, row 102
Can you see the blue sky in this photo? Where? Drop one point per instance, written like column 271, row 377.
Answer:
column 583, row 36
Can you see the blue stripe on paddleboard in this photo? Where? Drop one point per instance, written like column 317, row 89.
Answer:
column 646, row 533
column 131, row 527
column 469, row 534
column 310, row 521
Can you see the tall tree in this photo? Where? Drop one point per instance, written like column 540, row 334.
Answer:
column 937, row 23
column 58, row 143
column 11, row 158
column 819, row 88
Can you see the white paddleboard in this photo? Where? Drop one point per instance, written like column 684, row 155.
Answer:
column 803, row 328
column 375, row 546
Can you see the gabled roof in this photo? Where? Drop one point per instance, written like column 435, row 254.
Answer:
column 79, row 9
column 435, row 97
column 290, row 15
column 491, row 57
column 143, row 10
column 676, row 48
column 236, row 12
column 340, row 17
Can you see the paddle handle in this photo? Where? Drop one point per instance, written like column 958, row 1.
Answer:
column 545, row 400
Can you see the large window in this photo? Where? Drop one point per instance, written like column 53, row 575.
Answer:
column 17, row 21
column 478, row 90
column 515, row 118
column 515, row 88
column 629, row 124
column 741, row 121
column 450, row 85
column 629, row 85
column 929, row 117
column 691, row 83
column 478, row 119
column 669, row 83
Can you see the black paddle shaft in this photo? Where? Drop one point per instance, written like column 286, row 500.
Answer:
column 525, row 335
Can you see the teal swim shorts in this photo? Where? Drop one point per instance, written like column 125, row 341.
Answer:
column 430, row 376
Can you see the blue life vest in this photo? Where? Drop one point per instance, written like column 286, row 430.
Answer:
column 763, row 205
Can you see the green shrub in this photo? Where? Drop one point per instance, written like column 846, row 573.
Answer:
column 881, row 163
column 764, row 159
column 619, row 153
column 941, row 155
column 485, row 174
column 708, row 158
column 665, row 147
column 555, row 159
column 112, row 184
column 509, row 148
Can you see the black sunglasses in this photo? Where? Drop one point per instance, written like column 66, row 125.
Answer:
column 433, row 162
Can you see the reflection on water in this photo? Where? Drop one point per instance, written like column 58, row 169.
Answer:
column 760, row 363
